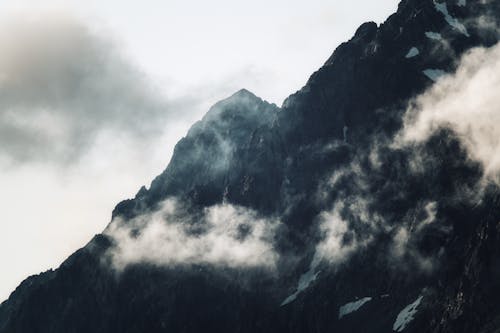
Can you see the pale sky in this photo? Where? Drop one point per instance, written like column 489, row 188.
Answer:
column 177, row 55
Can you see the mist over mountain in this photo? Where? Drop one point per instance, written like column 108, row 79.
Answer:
column 368, row 202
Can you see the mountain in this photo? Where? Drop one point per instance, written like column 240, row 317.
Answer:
column 311, row 217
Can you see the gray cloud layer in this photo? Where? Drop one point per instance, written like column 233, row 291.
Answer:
column 62, row 85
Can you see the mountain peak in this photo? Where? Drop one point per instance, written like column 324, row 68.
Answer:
column 244, row 93
column 242, row 101
column 358, row 227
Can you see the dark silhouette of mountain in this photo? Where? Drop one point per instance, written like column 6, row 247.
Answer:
column 279, row 163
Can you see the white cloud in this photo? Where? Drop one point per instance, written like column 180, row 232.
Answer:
column 405, row 235
column 333, row 248
column 224, row 235
column 468, row 102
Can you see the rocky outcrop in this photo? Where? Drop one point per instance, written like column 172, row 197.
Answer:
column 313, row 155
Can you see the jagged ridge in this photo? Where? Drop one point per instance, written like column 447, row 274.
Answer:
column 250, row 153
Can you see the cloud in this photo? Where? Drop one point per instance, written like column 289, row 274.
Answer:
column 370, row 211
column 357, row 221
column 224, row 235
column 350, row 224
column 468, row 103
column 404, row 249
column 63, row 85
column 339, row 239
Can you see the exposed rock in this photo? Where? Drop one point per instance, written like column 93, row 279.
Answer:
column 296, row 163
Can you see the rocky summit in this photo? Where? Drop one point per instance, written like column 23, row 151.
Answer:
column 316, row 216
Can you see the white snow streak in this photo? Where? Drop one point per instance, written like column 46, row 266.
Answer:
column 433, row 35
column 443, row 9
column 406, row 316
column 412, row 53
column 352, row 306
column 304, row 282
column 434, row 74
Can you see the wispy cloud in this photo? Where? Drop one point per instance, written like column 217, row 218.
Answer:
column 223, row 235
column 466, row 102
column 63, row 85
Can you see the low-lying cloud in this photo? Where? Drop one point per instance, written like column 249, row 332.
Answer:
column 339, row 239
column 357, row 221
column 467, row 102
column 223, row 235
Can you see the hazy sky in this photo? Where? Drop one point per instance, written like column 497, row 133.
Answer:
column 94, row 95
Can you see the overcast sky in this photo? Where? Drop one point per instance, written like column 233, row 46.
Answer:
column 94, row 94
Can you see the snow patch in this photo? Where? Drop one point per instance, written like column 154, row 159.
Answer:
column 443, row 9
column 434, row 74
column 406, row 316
column 412, row 53
column 304, row 282
column 462, row 3
column 433, row 35
column 352, row 306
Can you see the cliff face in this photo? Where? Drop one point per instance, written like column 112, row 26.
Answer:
column 373, row 237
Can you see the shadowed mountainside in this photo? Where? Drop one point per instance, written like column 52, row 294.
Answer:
column 410, row 249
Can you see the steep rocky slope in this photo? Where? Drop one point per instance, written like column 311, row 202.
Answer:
column 366, row 241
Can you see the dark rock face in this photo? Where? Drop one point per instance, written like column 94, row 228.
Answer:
column 209, row 160
column 276, row 161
